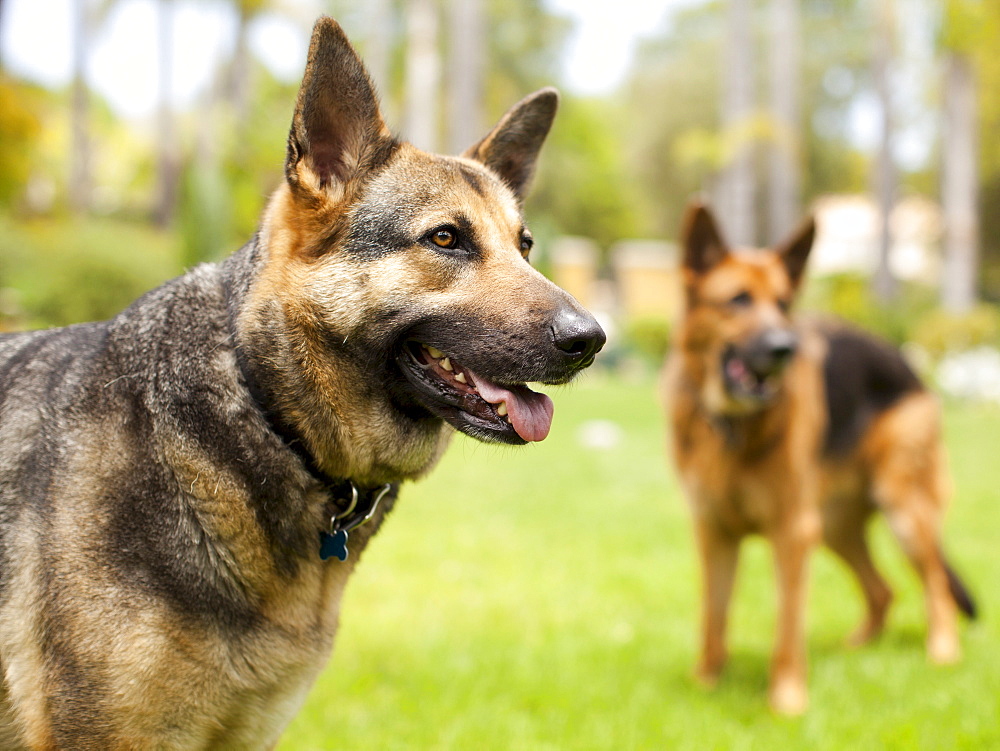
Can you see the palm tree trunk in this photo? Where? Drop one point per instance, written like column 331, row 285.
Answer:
column 168, row 163
column 737, row 184
column 378, row 48
column 465, row 68
column 960, row 183
column 80, row 177
column 785, row 148
column 884, row 284
column 423, row 72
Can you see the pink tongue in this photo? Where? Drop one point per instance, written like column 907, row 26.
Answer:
column 530, row 413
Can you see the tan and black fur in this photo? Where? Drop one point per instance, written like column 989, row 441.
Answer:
column 799, row 431
column 165, row 476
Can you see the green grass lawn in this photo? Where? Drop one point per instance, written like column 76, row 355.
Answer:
column 546, row 598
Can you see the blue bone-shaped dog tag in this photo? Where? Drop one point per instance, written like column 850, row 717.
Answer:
column 333, row 545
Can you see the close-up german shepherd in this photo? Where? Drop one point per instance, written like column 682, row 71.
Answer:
column 183, row 488
column 798, row 430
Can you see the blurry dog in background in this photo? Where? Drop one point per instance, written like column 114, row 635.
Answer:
column 798, row 431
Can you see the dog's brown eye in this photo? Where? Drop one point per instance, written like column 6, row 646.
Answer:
column 527, row 243
column 741, row 300
column 444, row 238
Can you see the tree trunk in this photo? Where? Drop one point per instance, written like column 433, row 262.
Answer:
column 80, row 177
column 737, row 186
column 884, row 284
column 423, row 72
column 960, row 184
column 166, row 201
column 378, row 47
column 465, row 67
column 239, row 83
column 2, row 6
column 784, row 196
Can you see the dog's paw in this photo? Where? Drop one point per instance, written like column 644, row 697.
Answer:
column 789, row 697
column 944, row 649
column 707, row 675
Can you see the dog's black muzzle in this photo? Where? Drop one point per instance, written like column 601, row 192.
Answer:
column 768, row 353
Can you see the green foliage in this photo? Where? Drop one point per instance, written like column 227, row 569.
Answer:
column 849, row 296
column 558, row 610
column 583, row 185
column 939, row 331
column 20, row 128
column 525, row 41
column 649, row 337
column 205, row 214
column 68, row 271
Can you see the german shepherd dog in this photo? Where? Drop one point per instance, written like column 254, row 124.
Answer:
column 798, row 430
column 170, row 478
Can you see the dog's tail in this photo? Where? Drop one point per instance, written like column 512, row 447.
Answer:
column 960, row 592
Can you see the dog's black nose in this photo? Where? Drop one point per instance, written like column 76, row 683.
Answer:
column 772, row 350
column 781, row 343
column 578, row 335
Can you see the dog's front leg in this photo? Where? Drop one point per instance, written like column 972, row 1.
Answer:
column 793, row 541
column 719, row 552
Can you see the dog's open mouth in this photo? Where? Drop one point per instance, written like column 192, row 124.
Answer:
column 743, row 382
column 473, row 404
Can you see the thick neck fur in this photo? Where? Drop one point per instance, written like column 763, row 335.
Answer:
column 323, row 388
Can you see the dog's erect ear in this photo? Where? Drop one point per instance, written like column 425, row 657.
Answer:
column 337, row 127
column 703, row 244
column 511, row 148
column 795, row 250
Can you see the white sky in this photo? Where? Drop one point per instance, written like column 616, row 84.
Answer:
column 36, row 42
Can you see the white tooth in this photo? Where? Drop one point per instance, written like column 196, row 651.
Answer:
column 502, row 409
column 460, row 376
column 446, row 363
column 435, row 353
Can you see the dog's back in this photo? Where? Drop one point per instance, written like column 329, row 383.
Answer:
column 125, row 423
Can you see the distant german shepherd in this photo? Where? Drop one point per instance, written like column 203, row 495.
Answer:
column 171, row 480
column 798, row 430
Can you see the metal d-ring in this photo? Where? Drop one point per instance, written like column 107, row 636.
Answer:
column 378, row 496
column 351, row 506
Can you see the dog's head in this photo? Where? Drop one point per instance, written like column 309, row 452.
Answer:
column 737, row 331
column 404, row 276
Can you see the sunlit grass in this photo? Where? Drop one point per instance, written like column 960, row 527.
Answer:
column 545, row 598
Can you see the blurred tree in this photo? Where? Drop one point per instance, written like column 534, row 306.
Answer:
column 20, row 129
column 422, row 98
column 525, row 42
column 963, row 27
column 584, row 187
column 238, row 89
column 678, row 147
column 80, row 177
column 885, row 178
column 977, row 25
column 960, row 185
column 168, row 162
column 785, row 147
column 466, row 59
column 2, row 6
column 736, row 195
column 377, row 47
